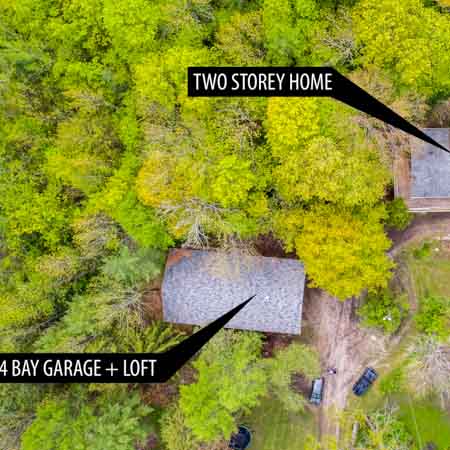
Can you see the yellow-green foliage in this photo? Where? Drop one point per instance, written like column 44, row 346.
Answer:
column 240, row 38
column 342, row 242
column 321, row 155
column 290, row 30
column 341, row 249
column 193, row 161
column 407, row 39
column 230, row 380
column 23, row 308
column 83, row 151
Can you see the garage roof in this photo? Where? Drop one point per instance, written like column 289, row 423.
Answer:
column 199, row 286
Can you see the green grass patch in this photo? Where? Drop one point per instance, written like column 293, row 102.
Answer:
column 431, row 273
column 274, row 428
column 426, row 422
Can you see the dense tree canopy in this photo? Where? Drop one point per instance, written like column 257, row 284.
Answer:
column 105, row 163
column 71, row 423
column 408, row 40
column 230, row 379
column 97, row 121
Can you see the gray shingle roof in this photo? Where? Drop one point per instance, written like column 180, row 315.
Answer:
column 430, row 167
column 200, row 286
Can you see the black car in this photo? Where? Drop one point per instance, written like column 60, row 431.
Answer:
column 240, row 440
column 365, row 381
column 316, row 391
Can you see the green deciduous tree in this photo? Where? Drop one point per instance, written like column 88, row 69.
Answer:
column 118, row 422
column 289, row 31
column 329, row 178
column 187, row 177
column 85, row 149
column 319, row 157
column 343, row 250
column 118, row 199
column 141, row 20
column 296, row 358
column 36, row 213
column 230, row 380
column 240, row 38
column 418, row 53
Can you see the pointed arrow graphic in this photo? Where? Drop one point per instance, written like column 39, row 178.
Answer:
column 309, row 82
column 108, row 367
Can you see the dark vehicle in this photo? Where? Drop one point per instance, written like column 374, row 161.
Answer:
column 241, row 440
column 366, row 380
column 316, row 391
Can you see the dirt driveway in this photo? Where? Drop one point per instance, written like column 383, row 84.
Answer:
column 342, row 344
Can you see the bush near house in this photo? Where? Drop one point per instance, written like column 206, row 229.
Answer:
column 399, row 216
column 383, row 310
column 433, row 318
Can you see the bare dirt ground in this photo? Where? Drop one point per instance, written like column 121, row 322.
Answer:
column 332, row 326
column 435, row 225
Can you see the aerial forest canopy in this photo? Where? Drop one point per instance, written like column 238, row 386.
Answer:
column 102, row 152
column 105, row 162
column 102, row 149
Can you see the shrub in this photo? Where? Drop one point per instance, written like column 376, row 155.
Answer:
column 383, row 310
column 433, row 318
column 422, row 252
column 399, row 216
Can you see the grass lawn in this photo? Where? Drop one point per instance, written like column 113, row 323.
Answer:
column 431, row 274
column 276, row 429
column 426, row 422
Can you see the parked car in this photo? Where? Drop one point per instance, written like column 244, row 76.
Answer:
column 365, row 381
column 317, row 391
column 241, row 440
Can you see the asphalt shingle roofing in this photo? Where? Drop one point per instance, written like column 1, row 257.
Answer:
column 199, row 286
column 430, row 167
